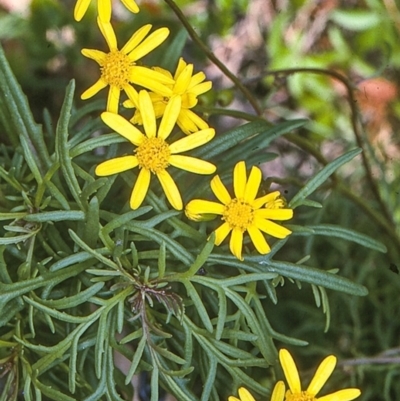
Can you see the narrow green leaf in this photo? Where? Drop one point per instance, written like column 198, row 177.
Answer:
column 263, row 139
column 62, row 150
column 191, row 291
column 321, row 177
column 31, row 160
column 201, row 258
column 170, row 58
column 94, row 143
column 12, row 216
column 231, row 138
column 222, row 305
column 315, row 276
column 331, row 230
column 92, row 223
column 93, row 252
column 56, row 215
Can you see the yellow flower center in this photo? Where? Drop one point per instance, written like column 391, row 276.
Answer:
column 238, row 214
column 303, row 396
column 153, row 154
column 115, row 69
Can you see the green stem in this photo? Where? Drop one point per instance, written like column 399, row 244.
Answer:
column 355, row 124
column 210, row 55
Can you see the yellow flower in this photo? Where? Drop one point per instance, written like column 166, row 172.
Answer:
column 104, row 8
column 118, row 67
column 322, row 374
column 153, row 154
column 244, row 212
column 244, row 395
column 188, row 87
column 294, row 393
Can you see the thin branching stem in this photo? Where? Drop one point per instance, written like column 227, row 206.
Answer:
column 354, row 122
column 210, row 55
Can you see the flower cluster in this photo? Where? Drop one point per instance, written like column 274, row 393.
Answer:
column 294, row 393
column 162, row 101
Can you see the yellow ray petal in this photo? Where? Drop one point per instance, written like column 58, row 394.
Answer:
column 192, row 164
column 147, row 113
column 131, row 6
column 185, row 124
column 170, row 189
column 258, row 240
column 109, row 35
column 279, row 391
column 140, row 189
column 181, row 65
column 104, row 10
column 189, row 100
column 123, row 127
column 80, row 9
column 96, row 87
column 201, row 88
column 169, row 118
column 239, row 179
column 133, row 96
column 232, row 398
column 236, row 243
column 97, row 55
column 183, row 79
column 290, row 371
column 220, row 190
column 200, row 206
column 347, row 394
column 149, row 79
column 149, row 44
column 274, row 214
column 136, row 38
column 260, row 202
column 253, row 184
column 245, row 395
column 271, row 228
column 113, row 99
column 116, row 165
column 322, row 374
column 221, row 233
column 189, row 142
column 190, row 122
column 197, row 79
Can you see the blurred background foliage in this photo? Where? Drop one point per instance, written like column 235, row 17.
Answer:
column 259, row 41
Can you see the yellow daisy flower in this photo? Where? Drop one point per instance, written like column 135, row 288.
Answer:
column 244, row 395
column 104, row 8
column 188, row 87
column 243, row 212
column 118, row 67
column 153, row 154
column 294, row 393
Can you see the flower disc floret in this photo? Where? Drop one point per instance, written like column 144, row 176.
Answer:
column 116, row 69
column 238, row 214
column 153, row 154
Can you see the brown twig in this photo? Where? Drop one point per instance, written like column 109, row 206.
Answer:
column 210, row 55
